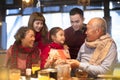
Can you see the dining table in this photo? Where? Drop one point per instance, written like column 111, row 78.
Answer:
column 72, row 78
column 99, row 77
column 108, row 77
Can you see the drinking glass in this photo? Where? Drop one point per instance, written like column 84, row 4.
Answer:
column 14, row 74
column 43, row 75
column 3, row 73
column 64, row 71
column 116, row 72
column 35, row 67
column 81, row 74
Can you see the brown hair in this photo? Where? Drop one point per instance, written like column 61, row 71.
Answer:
column 39, row 16
column 53, row 32
column 21, row 33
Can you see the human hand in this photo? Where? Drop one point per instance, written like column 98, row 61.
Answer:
column 65, row 46
column 74, row 63
column 60, row 61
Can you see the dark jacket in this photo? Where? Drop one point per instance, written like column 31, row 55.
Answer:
column 74, row 40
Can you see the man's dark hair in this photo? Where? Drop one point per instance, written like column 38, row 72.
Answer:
column 76, row 11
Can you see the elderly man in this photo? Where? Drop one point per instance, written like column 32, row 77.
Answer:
column 98, row 54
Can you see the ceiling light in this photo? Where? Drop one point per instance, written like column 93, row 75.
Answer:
column 84, row 2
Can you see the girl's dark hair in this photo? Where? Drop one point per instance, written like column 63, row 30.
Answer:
column 20, row 34
column 76, row 11
column 53, row 32
column 39, row 16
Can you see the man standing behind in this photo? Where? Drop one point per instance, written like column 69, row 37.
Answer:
column 75, row 34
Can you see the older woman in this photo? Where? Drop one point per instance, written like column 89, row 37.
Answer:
column 22, row 54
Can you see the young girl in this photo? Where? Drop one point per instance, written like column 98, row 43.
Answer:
column 37, row 23
column 54, row 53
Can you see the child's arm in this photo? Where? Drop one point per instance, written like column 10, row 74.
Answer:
column 51, row 59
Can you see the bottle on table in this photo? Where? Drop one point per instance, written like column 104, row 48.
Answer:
column 28, row 73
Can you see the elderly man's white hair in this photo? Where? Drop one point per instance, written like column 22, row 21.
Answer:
column 100, row 23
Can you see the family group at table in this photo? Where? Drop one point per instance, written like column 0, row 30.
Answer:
column 84, row 46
